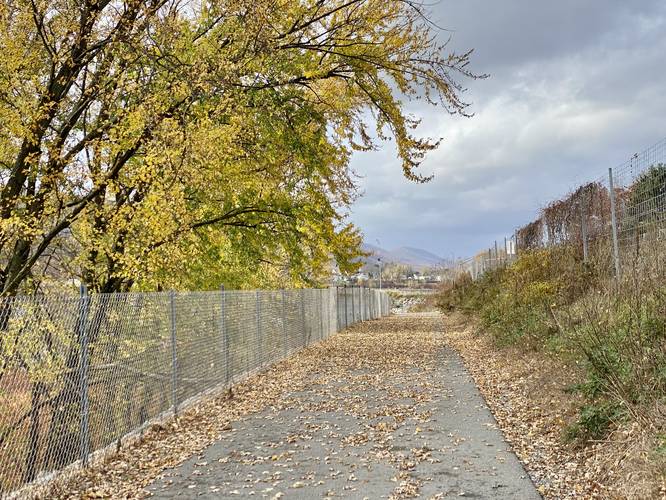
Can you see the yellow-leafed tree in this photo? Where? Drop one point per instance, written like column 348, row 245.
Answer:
column 145, row 138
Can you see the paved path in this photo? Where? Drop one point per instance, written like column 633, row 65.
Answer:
column 390, row 413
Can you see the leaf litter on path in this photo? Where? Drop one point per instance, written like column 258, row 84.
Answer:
column 379, row 374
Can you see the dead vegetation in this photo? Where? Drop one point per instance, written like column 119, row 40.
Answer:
column 531, row 398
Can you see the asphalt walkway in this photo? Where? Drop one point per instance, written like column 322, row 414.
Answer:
column 390, row 413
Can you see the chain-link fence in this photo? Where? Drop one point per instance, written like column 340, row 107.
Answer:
column 619, row 218
column 79, row 374
column 357, row 303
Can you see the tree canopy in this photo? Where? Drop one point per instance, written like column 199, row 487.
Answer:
column 182, row 143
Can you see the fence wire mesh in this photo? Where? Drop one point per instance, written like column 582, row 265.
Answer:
column 360, row 304
column 619, row 218
column 80, row 373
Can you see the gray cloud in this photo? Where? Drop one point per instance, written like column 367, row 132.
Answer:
column 576, row 86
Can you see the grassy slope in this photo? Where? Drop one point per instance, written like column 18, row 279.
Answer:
column 549, row 305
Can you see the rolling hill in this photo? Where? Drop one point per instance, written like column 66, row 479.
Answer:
column 410, row 256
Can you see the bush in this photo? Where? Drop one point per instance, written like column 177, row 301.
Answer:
column 594, row 422
column 623, row 339
column 514, row 303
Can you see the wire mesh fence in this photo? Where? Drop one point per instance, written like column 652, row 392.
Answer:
column 80, row 373
column 619, row 218
column 359, row 304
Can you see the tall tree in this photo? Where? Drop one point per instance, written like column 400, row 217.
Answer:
column 129, row 127
column 167, row 143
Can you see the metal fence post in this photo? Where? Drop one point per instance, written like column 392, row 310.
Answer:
column 325, row 292
column 174, row 354
column 327, row 307
column 305, row 336
column 346, row 318
column 225, row 335
column 505, row 257
column 321, row 314
column 84, row 306
column 616, row 252
column 360, row 303
column 370, row 303
column 583, row 230
column 284, row 322
column 353, row 305
column 496, row 256
column 257, row 308
column 338, row 302
column 366, row 303
column 515, row 245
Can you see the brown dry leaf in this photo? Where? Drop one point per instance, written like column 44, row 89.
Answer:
column 528, row 397
column 361, row 358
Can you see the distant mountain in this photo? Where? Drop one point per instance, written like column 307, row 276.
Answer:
column 416, row 257
column 376, row 251
column 410, row 256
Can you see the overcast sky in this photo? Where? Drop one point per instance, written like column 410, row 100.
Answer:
column 576, row 86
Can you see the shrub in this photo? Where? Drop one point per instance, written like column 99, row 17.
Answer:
column 622, row 336
column 594, row 421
